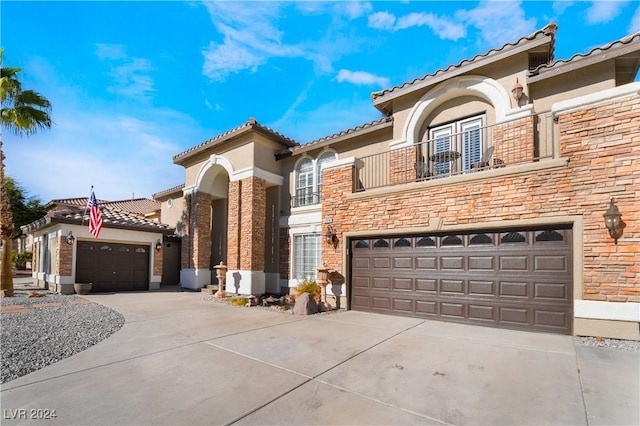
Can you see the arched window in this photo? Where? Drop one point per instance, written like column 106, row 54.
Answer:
column 308, row 179
column 304, row 183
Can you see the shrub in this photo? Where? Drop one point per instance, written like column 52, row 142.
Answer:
column 309, row 286
column 20, row 258
column 239, row 301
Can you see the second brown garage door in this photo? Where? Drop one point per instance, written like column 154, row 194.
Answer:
column 514, row 278
column 113, row 267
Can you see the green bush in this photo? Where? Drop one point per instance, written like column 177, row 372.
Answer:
column 309, row 286
column 21, row 258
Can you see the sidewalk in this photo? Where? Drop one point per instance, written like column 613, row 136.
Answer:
column 180, row 359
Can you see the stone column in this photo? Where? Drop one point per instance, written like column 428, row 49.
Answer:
column 196, row 241
column 246, row 236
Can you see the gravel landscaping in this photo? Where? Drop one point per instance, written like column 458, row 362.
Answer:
column 39, row 331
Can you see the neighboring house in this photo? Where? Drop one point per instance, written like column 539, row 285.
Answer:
column 477, row 198
column 128, row 255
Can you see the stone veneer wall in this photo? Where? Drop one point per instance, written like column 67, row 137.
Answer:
column 246, row 224
column 196, row 239
column 602, row 144
column 513, row 141
column 285, row 254
column 158, row 256
column 64, row 264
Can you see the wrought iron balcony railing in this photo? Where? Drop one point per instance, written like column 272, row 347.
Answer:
column 519, row 141
column 305, row 197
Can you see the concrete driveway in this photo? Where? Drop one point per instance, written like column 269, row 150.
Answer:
column 184, row 360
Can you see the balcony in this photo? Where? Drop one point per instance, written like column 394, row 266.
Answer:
column 305, row 198
column 525, row 140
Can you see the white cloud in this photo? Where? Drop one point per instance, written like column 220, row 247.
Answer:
column 634, row 25
column 361, row 78
column 129, row 74
column 601, row 12
column 355, row 9
column 499, row 22
column 560, row 6
column 382, row 21
column 444, row 28
column 250, row 38
column 110, row 51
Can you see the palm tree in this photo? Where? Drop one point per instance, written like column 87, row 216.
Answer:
column 23, row 113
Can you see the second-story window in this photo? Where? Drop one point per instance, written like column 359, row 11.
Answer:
column 456, row 146
column 308, row 179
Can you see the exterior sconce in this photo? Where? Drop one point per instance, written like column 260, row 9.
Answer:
column 613, row 221
column 158, row 245
column 331, row 237
column 517, row 91
column 70, row 238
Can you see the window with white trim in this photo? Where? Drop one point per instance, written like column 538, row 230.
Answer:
column 308, row 179
column 306, row 256
column 457, row 145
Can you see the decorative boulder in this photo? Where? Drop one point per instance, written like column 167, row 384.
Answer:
column 305, row 305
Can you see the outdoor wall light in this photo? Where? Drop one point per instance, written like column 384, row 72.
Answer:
column 517, row 91
column 158, row 245
column 331, row 237
column 70, row 238
column 613, row 221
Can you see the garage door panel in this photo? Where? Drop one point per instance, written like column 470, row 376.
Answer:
column 403, row 305
column 551, row 319
column 378, row 302
column 482, row 288
column 481, row 312
column 452, row 309
column 551, row 291
column 426, row 307
column 424, row 284
column 481, row 263
column 514, row 315
column 381, row 283
column 514, row 289
column 514, row 263
column 426, row 262
column 452, row 262
column 518, row 279
column 403, row 284
column 550, row 263
column 452, row 286
column 403, row 263
column 361, row 263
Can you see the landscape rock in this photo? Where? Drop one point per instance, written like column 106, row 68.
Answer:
column 305, row 305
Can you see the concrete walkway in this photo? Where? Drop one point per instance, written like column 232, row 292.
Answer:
column 183, row 360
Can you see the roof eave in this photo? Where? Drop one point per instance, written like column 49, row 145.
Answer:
column 526, row 45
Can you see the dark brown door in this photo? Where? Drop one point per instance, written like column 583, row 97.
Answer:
column 519, row 279
column 113, row 267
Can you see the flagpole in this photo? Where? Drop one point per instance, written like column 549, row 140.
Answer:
column 86, row 206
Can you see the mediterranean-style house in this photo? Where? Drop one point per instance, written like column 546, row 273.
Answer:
column 479, row 197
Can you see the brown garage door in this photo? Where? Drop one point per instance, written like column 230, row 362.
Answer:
column 113, row 267
column 518, row 279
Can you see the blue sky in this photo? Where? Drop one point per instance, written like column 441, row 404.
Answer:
column 134, row 83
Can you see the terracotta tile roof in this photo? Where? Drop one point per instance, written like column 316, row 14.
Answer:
column 81, row 201
column 632, row 41
column 336, row 137
column 138, row 205
column 169, row 191
column 251, row 124
column 111, row 218
column 547, row 32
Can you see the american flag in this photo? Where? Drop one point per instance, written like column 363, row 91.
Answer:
column 95, row 217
